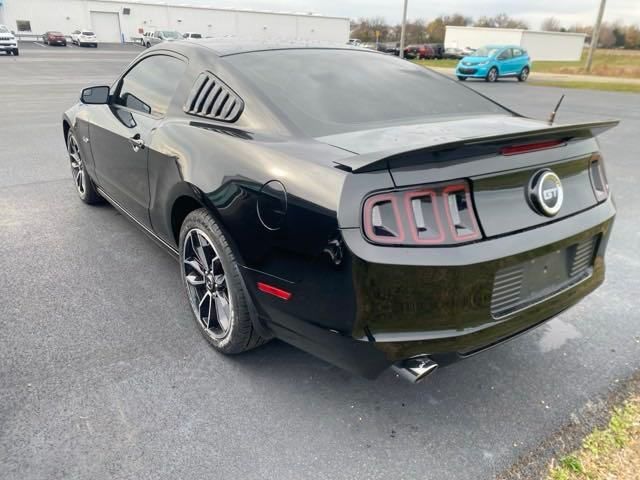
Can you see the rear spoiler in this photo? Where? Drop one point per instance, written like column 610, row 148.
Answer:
column 378, row 160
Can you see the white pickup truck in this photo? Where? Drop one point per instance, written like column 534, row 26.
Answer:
column 154, row 37
column 8, row 42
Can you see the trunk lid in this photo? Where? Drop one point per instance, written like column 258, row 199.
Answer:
column 473, row 149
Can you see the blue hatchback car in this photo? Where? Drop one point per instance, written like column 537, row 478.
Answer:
column 494, row 61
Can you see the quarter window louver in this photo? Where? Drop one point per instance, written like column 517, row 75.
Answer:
column 212, row 98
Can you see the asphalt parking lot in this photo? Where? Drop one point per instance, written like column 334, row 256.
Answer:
column 103, row 373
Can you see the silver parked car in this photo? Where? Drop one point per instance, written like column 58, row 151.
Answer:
column 153, row 38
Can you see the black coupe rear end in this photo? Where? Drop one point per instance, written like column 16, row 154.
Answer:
column 309, row 197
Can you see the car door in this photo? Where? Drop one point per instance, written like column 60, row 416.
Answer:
column 121, row 131
column 505, row 65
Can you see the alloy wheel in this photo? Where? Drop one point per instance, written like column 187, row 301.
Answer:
column 493, row 75
column 206, row 284
column 77, row 166
column 524, row 74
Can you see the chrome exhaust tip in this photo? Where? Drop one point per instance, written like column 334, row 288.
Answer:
column 415, row 369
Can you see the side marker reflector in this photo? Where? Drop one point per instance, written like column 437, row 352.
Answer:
column 275, row 291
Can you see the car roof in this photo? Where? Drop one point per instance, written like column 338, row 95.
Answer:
column 233, row 46
column 503, row 46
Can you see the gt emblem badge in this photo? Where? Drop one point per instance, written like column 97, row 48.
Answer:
column 545, row 193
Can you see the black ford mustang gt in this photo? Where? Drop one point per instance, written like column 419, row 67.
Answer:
column 310, row 197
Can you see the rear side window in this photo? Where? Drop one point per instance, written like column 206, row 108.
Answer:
column 149, row 86
column 324, row 92
column 517, row 52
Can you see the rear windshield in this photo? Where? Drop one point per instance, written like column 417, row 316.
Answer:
column 88, row 33
column 195, row 35
column 170, row 34
column 324, row 92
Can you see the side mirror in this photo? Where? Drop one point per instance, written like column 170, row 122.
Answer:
column 95, row 95
column 13, row 32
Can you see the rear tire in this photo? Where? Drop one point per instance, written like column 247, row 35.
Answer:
column 214, row 287
column 492, row 76
column 524, row 74
column 83, row 183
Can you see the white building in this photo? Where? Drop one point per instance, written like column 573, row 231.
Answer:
column 117, row 21
column 540, row 45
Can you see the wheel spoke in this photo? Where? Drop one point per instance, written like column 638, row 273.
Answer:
column 222, row 312
column 215, row 259
column 80, row 180
column 198, row 250
column 193, row 279
column 75, row 163
column 211, row 302
column 195, row 264
column 206, row 306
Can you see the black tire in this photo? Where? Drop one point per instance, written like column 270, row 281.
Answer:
column 524, row 74
column 16, row 52
column 461, row 78
column 84, row 187
column 492, row 75
column 240, row 335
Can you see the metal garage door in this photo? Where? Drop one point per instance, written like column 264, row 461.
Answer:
column 106, row 26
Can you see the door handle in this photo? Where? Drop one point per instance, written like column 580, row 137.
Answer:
column 136, row 142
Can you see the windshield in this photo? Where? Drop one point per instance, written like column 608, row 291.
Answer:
column 337, row 91
column 3, row 29
column 169, row 34
column 88, row 33
column 485, row 52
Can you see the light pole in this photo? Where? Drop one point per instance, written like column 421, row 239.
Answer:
column 594, row 36
column 404, row 27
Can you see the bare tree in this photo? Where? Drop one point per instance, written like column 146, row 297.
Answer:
column 436, row 28
column 551, row 24
column 632, row 37
column 502, row 20
column 607, row 39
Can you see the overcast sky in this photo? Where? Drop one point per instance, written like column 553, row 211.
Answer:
column 532, row 11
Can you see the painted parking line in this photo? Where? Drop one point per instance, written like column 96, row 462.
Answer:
column 40, row 44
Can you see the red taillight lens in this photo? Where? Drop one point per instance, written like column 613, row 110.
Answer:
column 435, row 215
column 383, row 223
column 598, row 178
column 530, row 147
column 462, row 220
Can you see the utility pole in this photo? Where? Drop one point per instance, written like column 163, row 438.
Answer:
column 404, row 27
column 594, row 36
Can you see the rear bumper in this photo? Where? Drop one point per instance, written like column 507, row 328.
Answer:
column 428, row 301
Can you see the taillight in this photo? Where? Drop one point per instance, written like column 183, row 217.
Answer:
column 440, row 214
column 598, row 178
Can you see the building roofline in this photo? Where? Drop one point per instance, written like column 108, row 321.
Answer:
column 128, row 3
column 520, row 30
